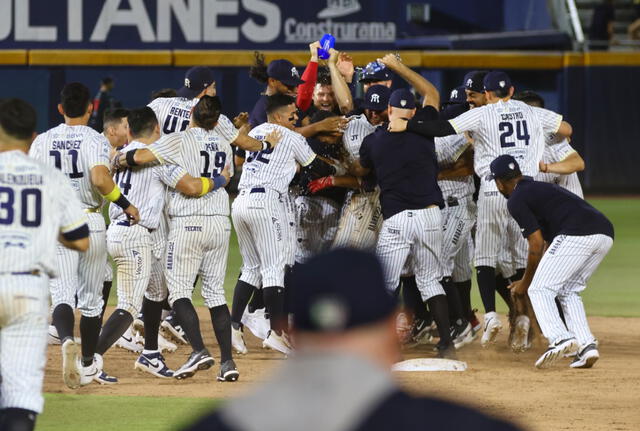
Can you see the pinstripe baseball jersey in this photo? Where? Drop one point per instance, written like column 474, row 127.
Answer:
column 357, row 129
column 37, row 203
column 448, row 150
column 145, row 188
column 75, row 150
column 202, row 154
column 554, row 153
column 174, row 114
column 510, row 127
column 275, row 168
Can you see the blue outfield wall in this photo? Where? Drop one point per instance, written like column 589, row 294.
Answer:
column 599, row 101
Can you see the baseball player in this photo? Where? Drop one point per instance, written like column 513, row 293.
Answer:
column 38, row 208
column 83, row 155
column 502, row 126
column 259, row 217
column 560, row 162
column 405, row 168
column 130, row 245
column 578, row 238
column 201, row 150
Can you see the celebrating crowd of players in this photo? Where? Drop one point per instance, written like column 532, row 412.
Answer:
column 321, row 169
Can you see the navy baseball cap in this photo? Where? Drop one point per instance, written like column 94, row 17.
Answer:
column 474, row 81
column 496, row 80
column 374, row 72
column 328, row 292
column 504, row 166
column 195, row 80
column 285, row 72
column 456, row 96
column 402, row 98
column 453, row 110
column 376, row 98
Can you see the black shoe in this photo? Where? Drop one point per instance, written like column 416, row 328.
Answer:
column 173, row 330
column 228, row 372
column 461, row 333
column 422, row 331
column 201, row 360
column 446, row 351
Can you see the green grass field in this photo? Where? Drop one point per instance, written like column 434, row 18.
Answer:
column 612, row 291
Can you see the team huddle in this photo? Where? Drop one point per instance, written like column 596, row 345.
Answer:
column 420, row 183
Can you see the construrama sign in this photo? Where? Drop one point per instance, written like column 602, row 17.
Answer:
column 194, row 24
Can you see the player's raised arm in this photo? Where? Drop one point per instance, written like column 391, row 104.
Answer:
column 340, row 87
column 425, row 88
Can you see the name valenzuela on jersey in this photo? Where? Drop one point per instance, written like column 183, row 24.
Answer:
column 21, row 179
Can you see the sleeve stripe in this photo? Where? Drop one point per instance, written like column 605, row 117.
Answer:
column 456, row 127
column 557, row 126
column 74, row 225
column 156, row 154
column 235, row 136
column 308, row 162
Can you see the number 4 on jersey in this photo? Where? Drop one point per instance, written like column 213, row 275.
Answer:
column 506, row 131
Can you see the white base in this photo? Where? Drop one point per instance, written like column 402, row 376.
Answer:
column 430, row 364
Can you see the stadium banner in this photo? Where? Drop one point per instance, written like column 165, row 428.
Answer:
column 197, row 24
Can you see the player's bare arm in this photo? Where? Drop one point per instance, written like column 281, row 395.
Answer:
column 572, row 163
column 536, row 250
column 241, row 119
column 340, row 88
column 565, row 130
column 248, row 143
column 200, row 186
column 426, row 89
column 101, row 180
column 328, row 125
column 81, row 244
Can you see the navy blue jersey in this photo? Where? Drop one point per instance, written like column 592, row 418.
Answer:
column 258, row 114
column 555, row 211
column 405, row 167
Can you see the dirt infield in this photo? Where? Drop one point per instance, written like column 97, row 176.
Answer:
column 498, row 382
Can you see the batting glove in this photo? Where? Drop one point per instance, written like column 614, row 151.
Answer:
column 321, row 183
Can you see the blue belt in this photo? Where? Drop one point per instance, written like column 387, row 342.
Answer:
column 35, row 272
column 127, row 224
column 257, row 190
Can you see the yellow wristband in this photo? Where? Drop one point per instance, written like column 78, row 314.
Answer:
column 206, row 184
column 113, row 195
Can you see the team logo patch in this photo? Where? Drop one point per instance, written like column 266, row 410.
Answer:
column 469, row 82
column 187, row 83
column 454, row 94
column 375, row 98
column 502, row 84
column 403, row 103
column 329, row 313
column 512, row 166
column 294, row 72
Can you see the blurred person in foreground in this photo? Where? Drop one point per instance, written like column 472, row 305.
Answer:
column 339, row 378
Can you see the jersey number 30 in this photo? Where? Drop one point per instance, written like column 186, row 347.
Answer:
column 506, row 131
column 30, row 206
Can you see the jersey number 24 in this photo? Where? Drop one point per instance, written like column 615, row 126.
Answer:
column 506, row 131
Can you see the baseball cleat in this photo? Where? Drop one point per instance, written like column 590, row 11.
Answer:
column 129, row 341
column 197, row 361
column 586, row 357
column 165, row 345
column 153, row 363
column 475, row 323
column 462, row 334
column 520, row 341
column 492, row 326
column 228, row 372
column 52, row 337
column 555, row 351
column 257, row 322
column 446, row 351
column 422, row 331
column 89, row 374
column 70, row 360
column 277, row 342
column 237, row 341
column 138, row 326
column 173, row 330
column 105, row 379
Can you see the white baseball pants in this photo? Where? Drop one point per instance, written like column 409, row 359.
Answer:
column 317, row 225
column 563, row 272
column 360, row 221
column 457, row 222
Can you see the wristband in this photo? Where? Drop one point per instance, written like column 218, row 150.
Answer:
column 266, row 145
column 122, row 202
column 206, row 184
column 130, row 158
column 113, row 195
column 219, row 181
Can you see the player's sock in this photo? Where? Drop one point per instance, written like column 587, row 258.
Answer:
column 106, row 290
column 152, row 311
column 502, row 289
column 241, row 295
column 165, row 304
column 439, row 310
column 257, row 301
column 89, row 332
column 274, row 302
column 464, row 289
column 487, row 286
column 16, row 419
column 63, row 319
column 189, row 322
column 221, row 320
column 113, row 328
column 412, row 298
column 456, row 315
